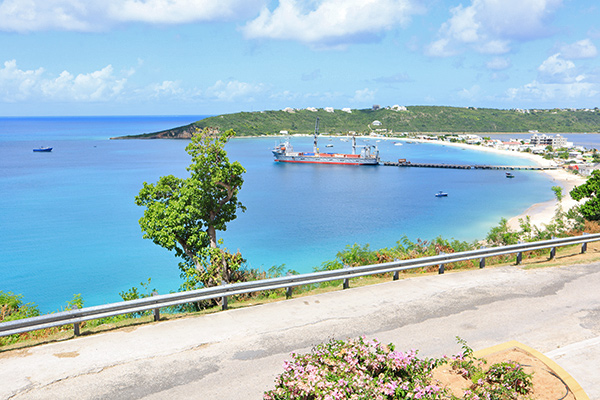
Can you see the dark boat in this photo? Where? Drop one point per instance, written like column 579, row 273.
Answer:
column 43, row 149
column 441, row 194
column 509, row 175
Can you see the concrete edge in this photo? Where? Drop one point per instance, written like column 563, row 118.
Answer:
column 571, row 383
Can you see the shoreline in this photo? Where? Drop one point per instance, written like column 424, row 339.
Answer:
column 540, row 214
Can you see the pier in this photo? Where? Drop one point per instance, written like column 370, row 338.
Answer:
column 463, row 166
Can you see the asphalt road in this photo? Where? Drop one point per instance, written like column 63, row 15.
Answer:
column 237, row 354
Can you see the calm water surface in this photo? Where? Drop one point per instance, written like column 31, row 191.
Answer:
column 68, row 223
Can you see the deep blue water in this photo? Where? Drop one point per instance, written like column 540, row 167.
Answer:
column 68, row 222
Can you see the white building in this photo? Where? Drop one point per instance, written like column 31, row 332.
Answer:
column 329, row 109
column 548, row 140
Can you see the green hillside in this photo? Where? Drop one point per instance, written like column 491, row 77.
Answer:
column 417, row 119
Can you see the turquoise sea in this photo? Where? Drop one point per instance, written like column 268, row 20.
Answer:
column 68, row 222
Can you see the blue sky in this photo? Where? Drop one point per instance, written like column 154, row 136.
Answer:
column 144, row 57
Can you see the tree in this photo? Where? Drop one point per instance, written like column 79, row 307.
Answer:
column 183, row 215
column 590, row 210
column 557, row 192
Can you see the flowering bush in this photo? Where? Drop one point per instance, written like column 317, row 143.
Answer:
column 366, row 369
column 356, row 369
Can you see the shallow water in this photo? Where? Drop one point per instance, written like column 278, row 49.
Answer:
column 69, row 223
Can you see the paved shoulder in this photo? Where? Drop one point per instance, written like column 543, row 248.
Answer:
column 237, row 354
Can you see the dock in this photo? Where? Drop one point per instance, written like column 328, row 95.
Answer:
column 466, row 166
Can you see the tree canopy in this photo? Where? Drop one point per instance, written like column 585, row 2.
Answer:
column 590, row 210
column 183, row 215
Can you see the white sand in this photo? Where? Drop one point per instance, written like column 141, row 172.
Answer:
column 540, row 214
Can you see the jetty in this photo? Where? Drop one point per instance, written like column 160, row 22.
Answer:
column 403, row 163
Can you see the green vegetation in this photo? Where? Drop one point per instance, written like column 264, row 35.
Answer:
column 367, row 369
column 590, row 210
column 563, row 224
column 417, row 119
column 184, row 214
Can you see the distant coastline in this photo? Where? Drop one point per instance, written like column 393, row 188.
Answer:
column 390, row 120
column 540, row 213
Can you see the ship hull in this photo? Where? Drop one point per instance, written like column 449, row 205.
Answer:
column 321, row 159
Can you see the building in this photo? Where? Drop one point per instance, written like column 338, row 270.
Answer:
column 548, row 140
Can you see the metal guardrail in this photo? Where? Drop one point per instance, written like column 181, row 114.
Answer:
column 156, row 302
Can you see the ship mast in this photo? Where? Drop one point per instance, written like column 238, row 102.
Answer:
column 315, row 149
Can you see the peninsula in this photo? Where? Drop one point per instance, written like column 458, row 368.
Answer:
column 391, row 121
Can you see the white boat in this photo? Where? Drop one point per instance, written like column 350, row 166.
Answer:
column 441, row 194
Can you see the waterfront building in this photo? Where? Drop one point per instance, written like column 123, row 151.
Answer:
column 548, row 140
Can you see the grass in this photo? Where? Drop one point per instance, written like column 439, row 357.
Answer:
column 570, row 255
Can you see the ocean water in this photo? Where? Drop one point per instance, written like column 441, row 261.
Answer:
column 69, row 225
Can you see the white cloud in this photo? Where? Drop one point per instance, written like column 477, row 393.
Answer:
column 17, row 85
column 330, row 23
column 578, row 50
column 553, row 92
column 182, row 11
column 489, row 26
column 233, row 90
column 365, row 95
column 99, row 85
column 559, row 80
column 498, row 63
column 166, row 89
column 555, row 69
column 97, row 15
column 470, row 94
column 32, row 85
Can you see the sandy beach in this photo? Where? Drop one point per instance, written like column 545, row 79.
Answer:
column 540, row 214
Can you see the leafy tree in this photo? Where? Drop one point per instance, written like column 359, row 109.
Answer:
column 590, row 210
column 183, row 215
column 501, row 235
column 557, row 192
column 12, row 307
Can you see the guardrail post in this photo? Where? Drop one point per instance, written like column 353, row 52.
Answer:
column 396, row 273
column 553, row 251
column 482, row 262
column 519, row 255
column 76, row 325
column 223, row 299
column 584, row 244
column 346, row 280
column 441, row 267
column 156, row 310
column 288, row 290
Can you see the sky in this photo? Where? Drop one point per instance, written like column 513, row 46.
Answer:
column 210, row 57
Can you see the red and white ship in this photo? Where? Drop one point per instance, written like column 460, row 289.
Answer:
column 368, row 155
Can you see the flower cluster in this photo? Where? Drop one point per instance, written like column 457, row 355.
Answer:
column 356, row 369
column 366, row 369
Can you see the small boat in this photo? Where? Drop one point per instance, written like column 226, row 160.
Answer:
column 509, row 175
column 329, row 145
column 441, row 194
column 397, row 144
column 43, row 149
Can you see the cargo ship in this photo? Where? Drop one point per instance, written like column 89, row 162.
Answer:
column 368, row 155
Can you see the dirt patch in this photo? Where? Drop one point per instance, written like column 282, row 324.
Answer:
column 68, row 354
column 546, row 384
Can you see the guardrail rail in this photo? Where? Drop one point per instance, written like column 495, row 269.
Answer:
column 155, row 302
